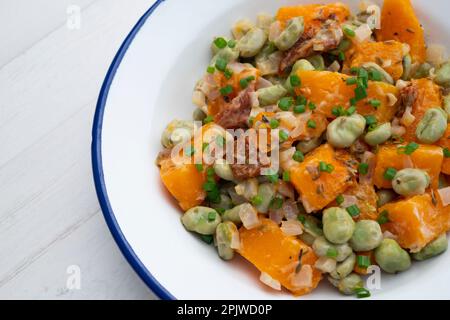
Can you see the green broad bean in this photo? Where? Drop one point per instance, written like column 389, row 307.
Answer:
column 338, row 225
column 317, row 61
column 223, row 170
column 290, row 35
column 385, row 196
column 422, row 71
column 344, row 268
column 391, row 257
column 252, row 42
column 432, row 126
column 432, row 249
column 344, row 131
column 367, row 236
column 311, row 225
column 379, row 135
column 233, row 214
column 268, row 60
column 443, row 75
column 271, row 95
column 225, row 233
column 343, row 251
column 202, row 220
column 224, row 203
column 228, row 54
column 410, row 182
column 176, row 132
column 322, row 247
column 349, row 284
column 300, row 65
column 386, row 77
column 214, row 48
column 266, row 192
column 407, row 67
column 309, row 145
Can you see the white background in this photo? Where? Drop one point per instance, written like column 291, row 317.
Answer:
column 50, row 219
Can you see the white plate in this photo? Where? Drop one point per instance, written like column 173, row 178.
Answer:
column 149, row 83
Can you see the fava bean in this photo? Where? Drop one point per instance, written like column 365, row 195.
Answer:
column 379, row 135
column 391, row 257
column 202, row 220
column 300, row 65
column 407, row 67
column 224, row 203
column 338, row 225
column 322, row 247
column 410, row 182
column 344, row 268
column 311, row 225
column 344, row 131
column 228, row 54
column 317, row 61
column 266, row 192
column 349, row 284
column 252, row 42
column 432, row 249
column 432, row 126
column 422, row 71
column 443, row 75
column 367, row 236
column 225, row 233
column 271, row 95
column 309, row 145
column 176, row 132
column 233, row 214
column 290, row 35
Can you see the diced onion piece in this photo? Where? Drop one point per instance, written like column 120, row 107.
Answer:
column 374, row 21
column 291, row 228
column 334, row 67
column 389, row 235
column 254, row 101
column 290, row 209
column 325, row 264
column 302, row 279
column 349, row 201
column 263, row 83
column 235, row 241
column 408, row 118
column 445, row 196
column 249, row 216
column 286, row 160
column 397, row 129
column 363, row 33
column 276, row 215
column 436, row 54
column 286, row 189
column 392, row 99
column 248, row 188
column 401, row 84
column 269, row 281
column 199, row 98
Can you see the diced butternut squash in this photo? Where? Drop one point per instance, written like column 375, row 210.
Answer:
column 276, row 254
column 388, row 54
column 184, row 182
column 319, row 188
column 399, row 22
column 426, row 157
column 416, row 221
column 314, row 14
column 445, row 143
column 329, row 89
column 366, row 200
column 428, row 95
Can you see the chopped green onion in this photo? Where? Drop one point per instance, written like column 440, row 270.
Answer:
column 276, row 203
column 375, row 103
column 371, row 120
column 298, row 156
column 383, row 217
column 211, row 70
column 353, row 210
column 408, row 149
column 446, row 152
column 301, row 218
column 212, row 216
column 375, row 75
column 274, row 123
column 209, row 239
column 349, row 32
column 300, row 108
column 301, row 100
column 362, row 293
column 226, row 90
column 341, row 56
column 221, row 64
column 390, row 173
column 232, row 43
column 351, row 81
column 286, row 176
column 285, row 103
column 208, row 119
column 354, row 70
column 360, row 93
column 340, row 199
column 312, row 106
column 353, row 102
column 273, row 178
column 332, row 252
column 220, row 43
column 363, row 168
column 199, row 167
column 351, row 110
column 295, row 80
column 257, row 200
column 311, row 124
column 363, row 262
column 245, row 82
column 228, row 73
column 283, row 136
column 326, row 167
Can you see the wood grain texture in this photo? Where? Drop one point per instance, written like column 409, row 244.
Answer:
column 50, row 219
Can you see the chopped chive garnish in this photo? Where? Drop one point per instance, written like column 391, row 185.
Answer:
column 220, row 43
column 363, row 262
column 273, row 178
column 311, row 124
column 353, row 102
column 276, row 203
column 341, row 56
column 360, row 93
column 210, row 172
column 208, row 119
column 446, row 152
column 363, row 168
column 226, row 90
column 285, row 103
column 283, row 136
column 245, row 82
column 211, row 69
column 295, row 80
column 228, row 73
column 221, row 64
column 354, row 70
column 199, row 167
column 371, row 120
column 298, row 156
column 326, row 167
column 351, row 81
column 362, row 293
column 274, row 123
column 340, row 199
column 207, row 238
column 332, row 252
column 312, row 106
column 408, row 149
column 375, row 75
column 212, row 216
column 349, row 32
column 286, row 176
column 232, row 43
column 351, row 110
column 221, row 211
column 301, row 100
column 375, row 103
column 300, row 108
column 383, row 217
column 301, row 218
column 353, row 210
column 390, row 173
column 257, row 200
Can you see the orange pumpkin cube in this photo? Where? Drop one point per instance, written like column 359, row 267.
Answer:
column 399, row 22
column 445, row 143
column 329, row 89
column 416, row 221
column 426, row 157
column 276, row 254
column 317, row 189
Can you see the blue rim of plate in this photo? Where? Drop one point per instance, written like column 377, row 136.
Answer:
column 97, row 166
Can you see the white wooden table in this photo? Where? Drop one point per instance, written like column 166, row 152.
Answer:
column 54, row 243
